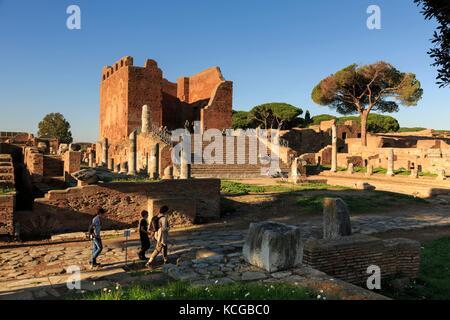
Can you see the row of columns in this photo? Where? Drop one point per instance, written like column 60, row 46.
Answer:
column 130, row 167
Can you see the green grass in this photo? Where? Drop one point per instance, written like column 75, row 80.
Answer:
column 413, row 129
column 328, row 168
column 133, row 179
column 4, row 191
column 365, row 202
column 185, row 291
column 238, row 188
column 434, row 276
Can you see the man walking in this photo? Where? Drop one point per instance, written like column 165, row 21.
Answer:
column 94, row 231
column 160, row 226
column 144, row 235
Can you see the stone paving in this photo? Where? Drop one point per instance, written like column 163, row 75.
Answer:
column 40, row 266
column 19, row 263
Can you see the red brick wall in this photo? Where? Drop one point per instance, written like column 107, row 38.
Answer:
column 7, row 214
column 202, row 84
column 348, row 258
column 72, row 209
column 72, row 162
column 114, row 102
column 34, row 161
column 218, row 113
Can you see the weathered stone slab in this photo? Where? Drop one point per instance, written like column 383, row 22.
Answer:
column 336, row 219
column 361, row 185
column 273, row 246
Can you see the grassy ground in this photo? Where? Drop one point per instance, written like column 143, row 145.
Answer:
column 237, row 188
column 248, row 203
column 365, row 202
column 383, row 171
column 434, row 279
column 4, row 191
column 185, row 291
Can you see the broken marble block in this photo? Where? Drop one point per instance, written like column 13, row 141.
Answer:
column 273, row 246
column 336, row 219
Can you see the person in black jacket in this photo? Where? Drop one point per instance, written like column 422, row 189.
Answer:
column 144, row 235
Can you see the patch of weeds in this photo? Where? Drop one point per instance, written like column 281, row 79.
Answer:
column 367, row 202
column 185, row 291
column 434, row 274
column 4, row 191
column 238, row 188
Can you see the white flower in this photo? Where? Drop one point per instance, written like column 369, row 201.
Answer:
column 104, row 289
column 321, row 291
column 319, row 296
column 247, row 294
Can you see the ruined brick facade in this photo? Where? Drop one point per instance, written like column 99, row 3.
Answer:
column 125, row 88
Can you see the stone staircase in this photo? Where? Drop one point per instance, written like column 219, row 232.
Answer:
column 243, row 166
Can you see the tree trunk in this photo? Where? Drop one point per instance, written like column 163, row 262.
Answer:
column 364, row 116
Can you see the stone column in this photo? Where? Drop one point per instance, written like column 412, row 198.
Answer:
column 105, row 147
column 294, row 171
column 146, row 119
column 168, row 173
column 117, row 168
column 91, row 159
column 369, row 171
column 133, row 154
column 111, row 164
column 185, row 166
column 351, row 168
column 390, row 168
column 414, row 173
column 153, row 168
column 334, row 148
column 441, row 175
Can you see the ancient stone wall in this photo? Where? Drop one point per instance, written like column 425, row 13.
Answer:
column 349, row 257
column 72, row 209
column 7, row 204
column 314, row 139
column 72, row 163
column 34, row 161
column 429, row 160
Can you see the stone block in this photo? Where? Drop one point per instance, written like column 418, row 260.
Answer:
column 361, row 185
column 336, row 219
column 273, row 246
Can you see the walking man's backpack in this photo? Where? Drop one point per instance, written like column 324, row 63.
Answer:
column 154, row 225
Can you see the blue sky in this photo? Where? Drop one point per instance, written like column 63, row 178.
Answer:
column 272, row 50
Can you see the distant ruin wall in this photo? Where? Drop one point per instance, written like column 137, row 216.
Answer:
column 349, row 257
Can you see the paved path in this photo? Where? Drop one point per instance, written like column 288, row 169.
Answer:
column 43, row 260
